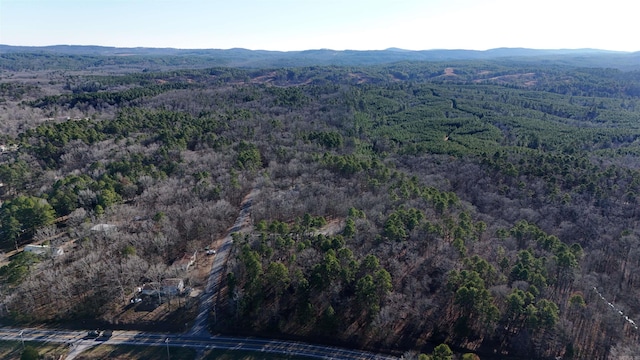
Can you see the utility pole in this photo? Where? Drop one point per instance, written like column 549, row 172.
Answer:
column 166, row 341
column 22, row 338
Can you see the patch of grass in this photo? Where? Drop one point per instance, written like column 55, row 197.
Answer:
column 126, row 352
column 12, row 350
column 247, row 355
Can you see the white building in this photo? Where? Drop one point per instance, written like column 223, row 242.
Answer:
column 105, row 228
column 44, row 250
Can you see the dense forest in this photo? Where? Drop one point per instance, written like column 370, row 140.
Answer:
column 490, row 205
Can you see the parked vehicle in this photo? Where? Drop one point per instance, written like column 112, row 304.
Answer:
column 94, row 333
column 105, row 335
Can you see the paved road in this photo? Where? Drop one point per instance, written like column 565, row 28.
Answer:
column 207, row 300
column 77, row 339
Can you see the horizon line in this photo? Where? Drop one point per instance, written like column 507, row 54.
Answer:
column 328, row 49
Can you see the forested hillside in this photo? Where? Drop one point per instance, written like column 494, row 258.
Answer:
column 488, row 205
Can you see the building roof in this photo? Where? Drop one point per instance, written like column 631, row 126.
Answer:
column 103, row 227
column 43, row 249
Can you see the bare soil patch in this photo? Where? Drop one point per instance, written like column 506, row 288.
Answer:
column 526, row 79
column 333, row 227
column 126, row 352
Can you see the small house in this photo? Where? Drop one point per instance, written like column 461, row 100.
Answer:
column 44, row 250
column 172, row 286
column 104, row 228
column 150, row 289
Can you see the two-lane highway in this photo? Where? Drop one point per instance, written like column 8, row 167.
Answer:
column 294, row 348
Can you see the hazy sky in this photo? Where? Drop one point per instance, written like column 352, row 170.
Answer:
column 315, row 24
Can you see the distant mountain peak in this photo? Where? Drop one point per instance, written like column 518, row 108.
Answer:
column 397, row 49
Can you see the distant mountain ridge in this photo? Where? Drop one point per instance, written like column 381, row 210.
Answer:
column 411, row 54
column 240, row 57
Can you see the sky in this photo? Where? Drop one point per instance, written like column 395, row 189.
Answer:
column 287, row 25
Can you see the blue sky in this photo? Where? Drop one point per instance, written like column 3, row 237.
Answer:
column 315, row 24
